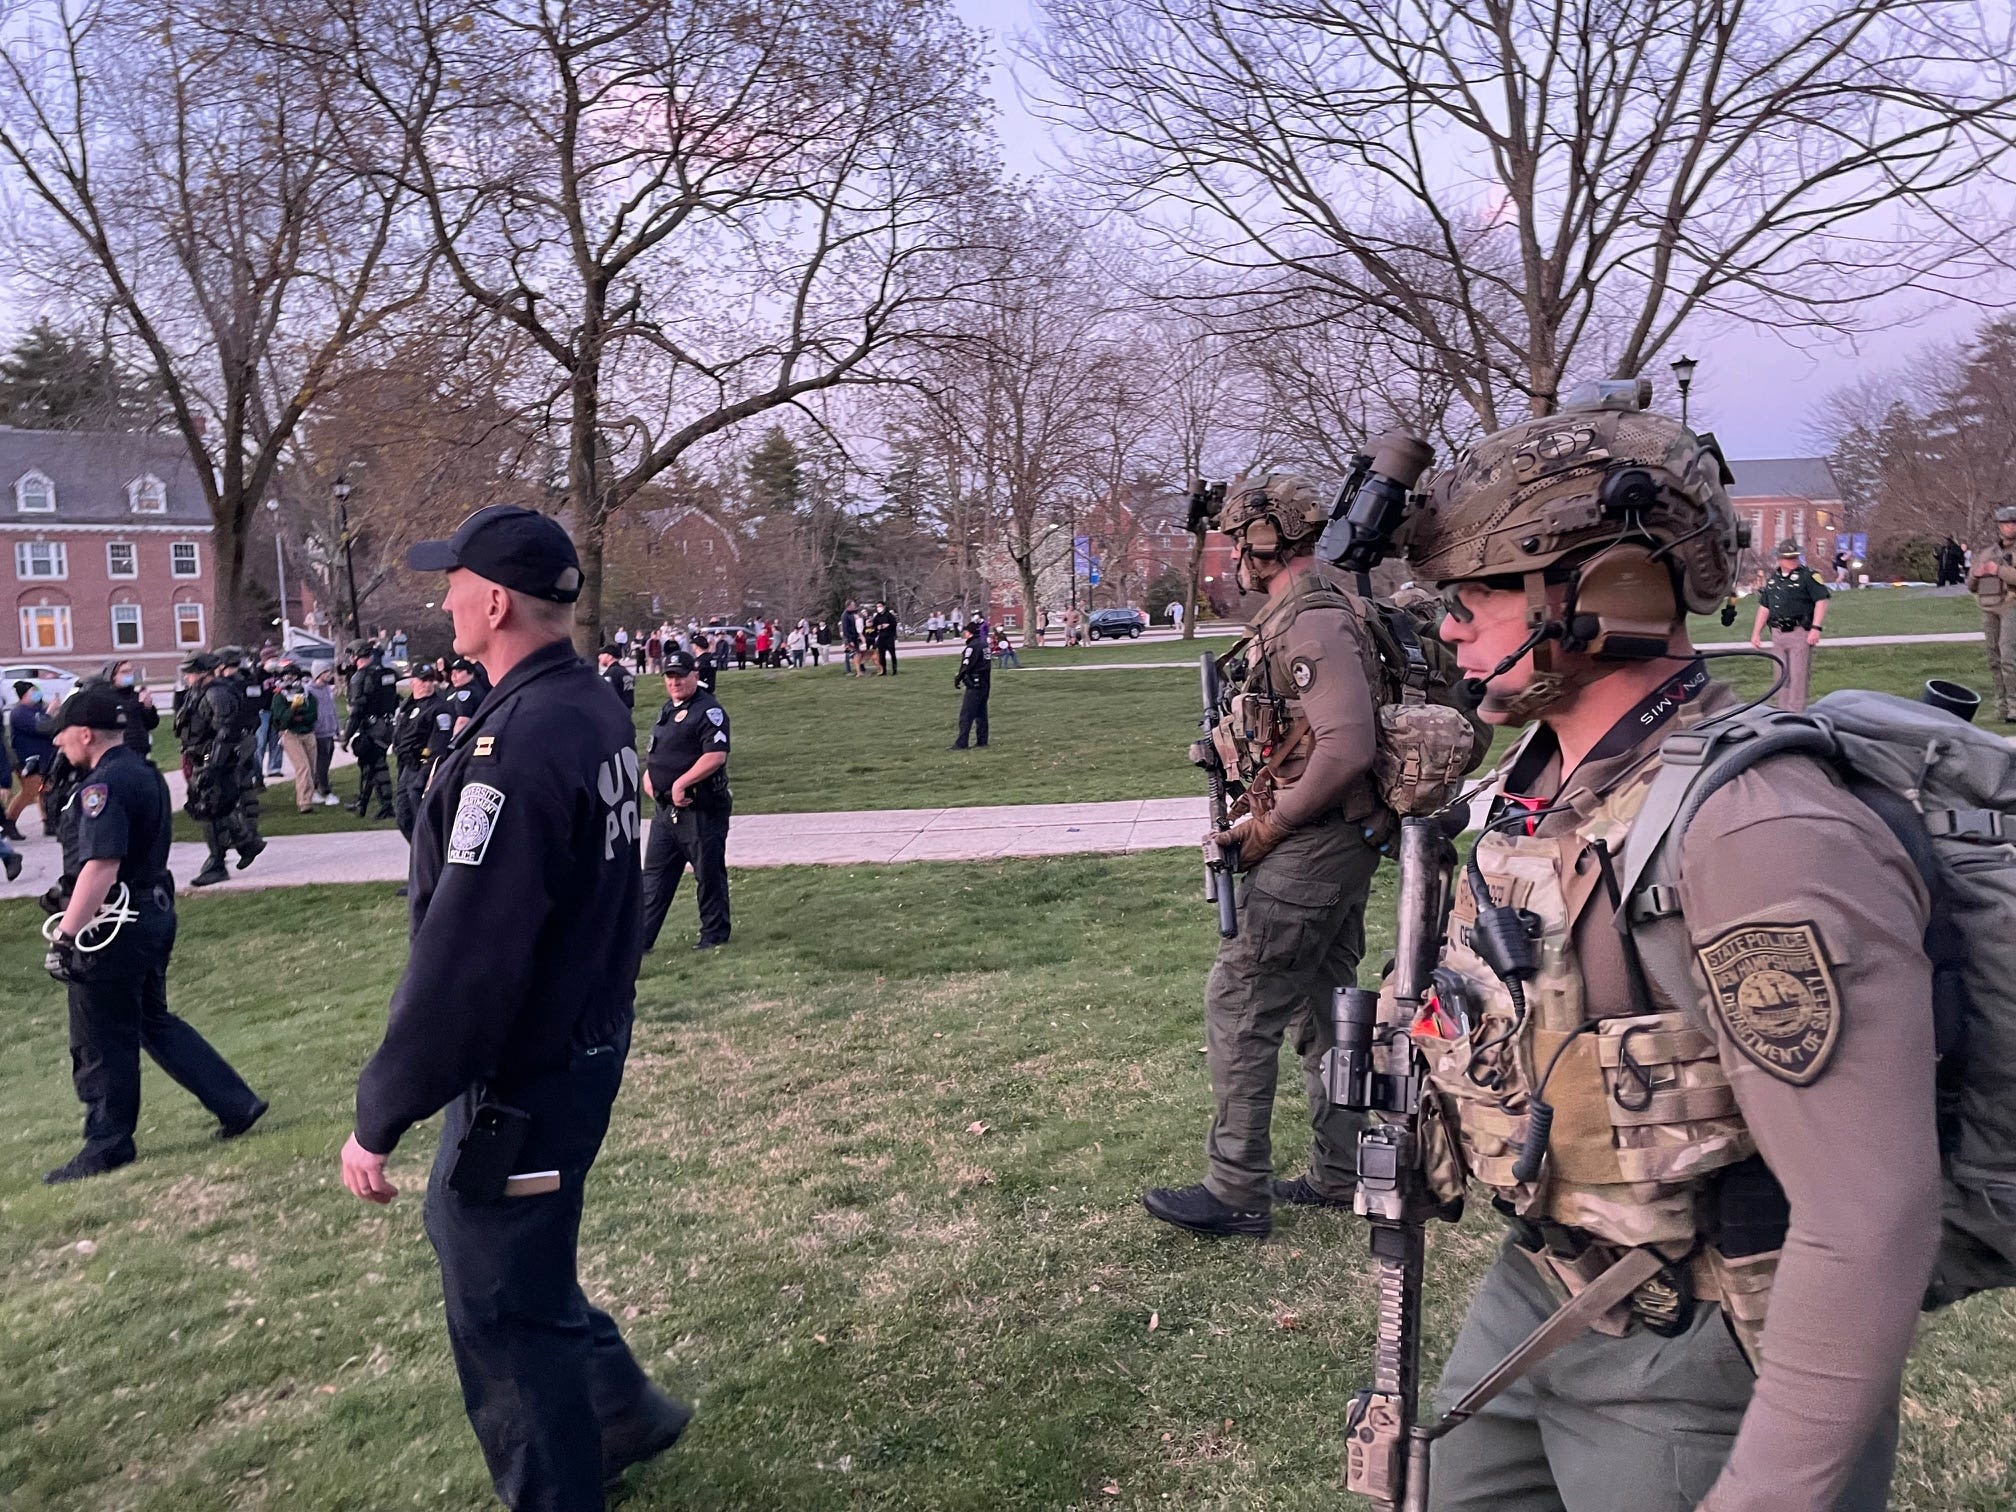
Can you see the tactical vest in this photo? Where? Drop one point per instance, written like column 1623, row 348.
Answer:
column 1992, row 591
column 1643, row 1113
column 1264, row 734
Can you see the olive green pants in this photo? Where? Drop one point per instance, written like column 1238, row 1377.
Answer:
column 1998, row 628
column 1301, row 933
column 1637, row 1424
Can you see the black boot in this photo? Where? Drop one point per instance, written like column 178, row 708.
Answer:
column 11, row 831
column 646, row 1431
column 84, row 1164
column 1196, row 1209
column 211, row 874
column 1302, row 1193
column 241, row 1124
column 247, row 854
column 11, row 863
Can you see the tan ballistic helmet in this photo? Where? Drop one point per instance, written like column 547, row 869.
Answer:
column 1291, row 502
column 1556, row 490
column 2006, row 515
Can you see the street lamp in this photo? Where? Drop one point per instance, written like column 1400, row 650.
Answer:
column 279, row 570
column 341, row 488
column 1683, row 375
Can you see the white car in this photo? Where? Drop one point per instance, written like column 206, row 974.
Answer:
column 55, row 683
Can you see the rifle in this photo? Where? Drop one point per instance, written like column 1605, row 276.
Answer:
column 1376, row 1070
column 1218, row 884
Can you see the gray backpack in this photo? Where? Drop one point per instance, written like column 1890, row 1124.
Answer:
column 1948, row 792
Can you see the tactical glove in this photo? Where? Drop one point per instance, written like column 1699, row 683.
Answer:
column 62, row 960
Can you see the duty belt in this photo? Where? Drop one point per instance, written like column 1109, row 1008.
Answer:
column 1790, row 624
column 1663, row 1303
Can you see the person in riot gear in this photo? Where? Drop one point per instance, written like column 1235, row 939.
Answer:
column 207, row 726
column 110, row 944
column 374, row 700
column 1992, row 580
column 1297, row 732
column 1758, row 1137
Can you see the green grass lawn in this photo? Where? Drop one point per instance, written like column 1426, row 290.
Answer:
column 1866, row 611
column 869, row 1197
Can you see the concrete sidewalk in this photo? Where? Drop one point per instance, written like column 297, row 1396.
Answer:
column 837, row 839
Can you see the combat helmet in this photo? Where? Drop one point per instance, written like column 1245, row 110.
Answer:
column 1615, row 521
column 2006, row 515
column 1270, row 519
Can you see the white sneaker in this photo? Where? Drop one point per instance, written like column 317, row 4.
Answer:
column 330, row 800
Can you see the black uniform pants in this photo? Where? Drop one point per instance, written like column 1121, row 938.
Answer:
column 544, row 1375
column 121, row 1008
column 683, row 837
column 372, row 780
column 888, row 650
column 406, row 796
column 973, row 717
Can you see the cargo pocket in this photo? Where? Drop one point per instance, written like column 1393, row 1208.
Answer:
column 1294, row 916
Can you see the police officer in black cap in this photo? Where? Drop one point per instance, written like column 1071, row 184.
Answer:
column 467, row 688
column 420, row 732
column 111, row 944
column 976, row 676
column 686, row 771
column 622, row 682
column 527, row 841
column 374, row 700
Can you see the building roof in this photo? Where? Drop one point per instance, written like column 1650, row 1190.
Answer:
column 91, row 471
column 1783, row 478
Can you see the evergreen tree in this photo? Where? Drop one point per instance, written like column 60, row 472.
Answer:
column 51, row 380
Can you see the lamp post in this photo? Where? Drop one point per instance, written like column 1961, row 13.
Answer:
column 341, row 489
column 279, row 571
column 1683, row 375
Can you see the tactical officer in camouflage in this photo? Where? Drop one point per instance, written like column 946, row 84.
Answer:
column 1793, row 602
column 1762, row 1133
column 1992, row 580
column 1299, row 736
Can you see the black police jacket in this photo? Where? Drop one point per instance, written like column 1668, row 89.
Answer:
column 207, row 722
column 976, row 669
column 420, row 730
column 525, row 890
column 682, row 734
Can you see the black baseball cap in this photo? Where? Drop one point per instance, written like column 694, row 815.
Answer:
column 424, row 672
column 97, row 707
column 517, row 548
column 680, row 664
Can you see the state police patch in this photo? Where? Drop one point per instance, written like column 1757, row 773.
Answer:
column 93, row 800
column 1774, row 992
column 475, row 820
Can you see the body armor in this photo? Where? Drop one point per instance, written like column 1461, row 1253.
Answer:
column 1992, row 592
column 1645, row 1121
column 1263, row 737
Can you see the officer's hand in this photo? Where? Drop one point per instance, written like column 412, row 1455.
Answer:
column 1255, row 838
column 364, row 1173
column 681, row 797
column 1756, row 643
column 1813, row 636
column 60, row 960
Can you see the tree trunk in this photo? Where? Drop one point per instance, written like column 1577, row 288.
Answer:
column 1190, row 590
column 1025, row 568
column 237, row 619
column 588, row 608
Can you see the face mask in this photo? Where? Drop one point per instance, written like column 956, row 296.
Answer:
column 123, row 680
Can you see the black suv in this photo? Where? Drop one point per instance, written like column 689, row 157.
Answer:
column 1116, row 623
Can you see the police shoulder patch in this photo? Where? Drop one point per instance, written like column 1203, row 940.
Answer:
column 1303, row 671
column 1773, row 989
column 475, row 821
column 718, row 717
column 93, row 799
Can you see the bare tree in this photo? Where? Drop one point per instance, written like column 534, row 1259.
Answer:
column 695, row 211
column 208, row 207
column 1524, row 186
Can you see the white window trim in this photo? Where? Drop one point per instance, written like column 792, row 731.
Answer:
column 113, row 573
column 65, row 628
column 21, row 489
column 139, row 628
column 62, row 559
column 138, row 486
column 181, row 619
column 195, row 551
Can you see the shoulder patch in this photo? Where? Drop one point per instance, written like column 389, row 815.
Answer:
column 1774, row 991
column 475, row 820
column 93, row 800
column 1303, row 671
column 718, row 717
column 486, row 745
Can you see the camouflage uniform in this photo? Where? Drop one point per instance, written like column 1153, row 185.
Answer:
column 1998, row 614
column 1767, row 1125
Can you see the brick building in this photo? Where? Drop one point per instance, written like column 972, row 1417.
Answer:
column 1788, row 496
column 108, row 536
